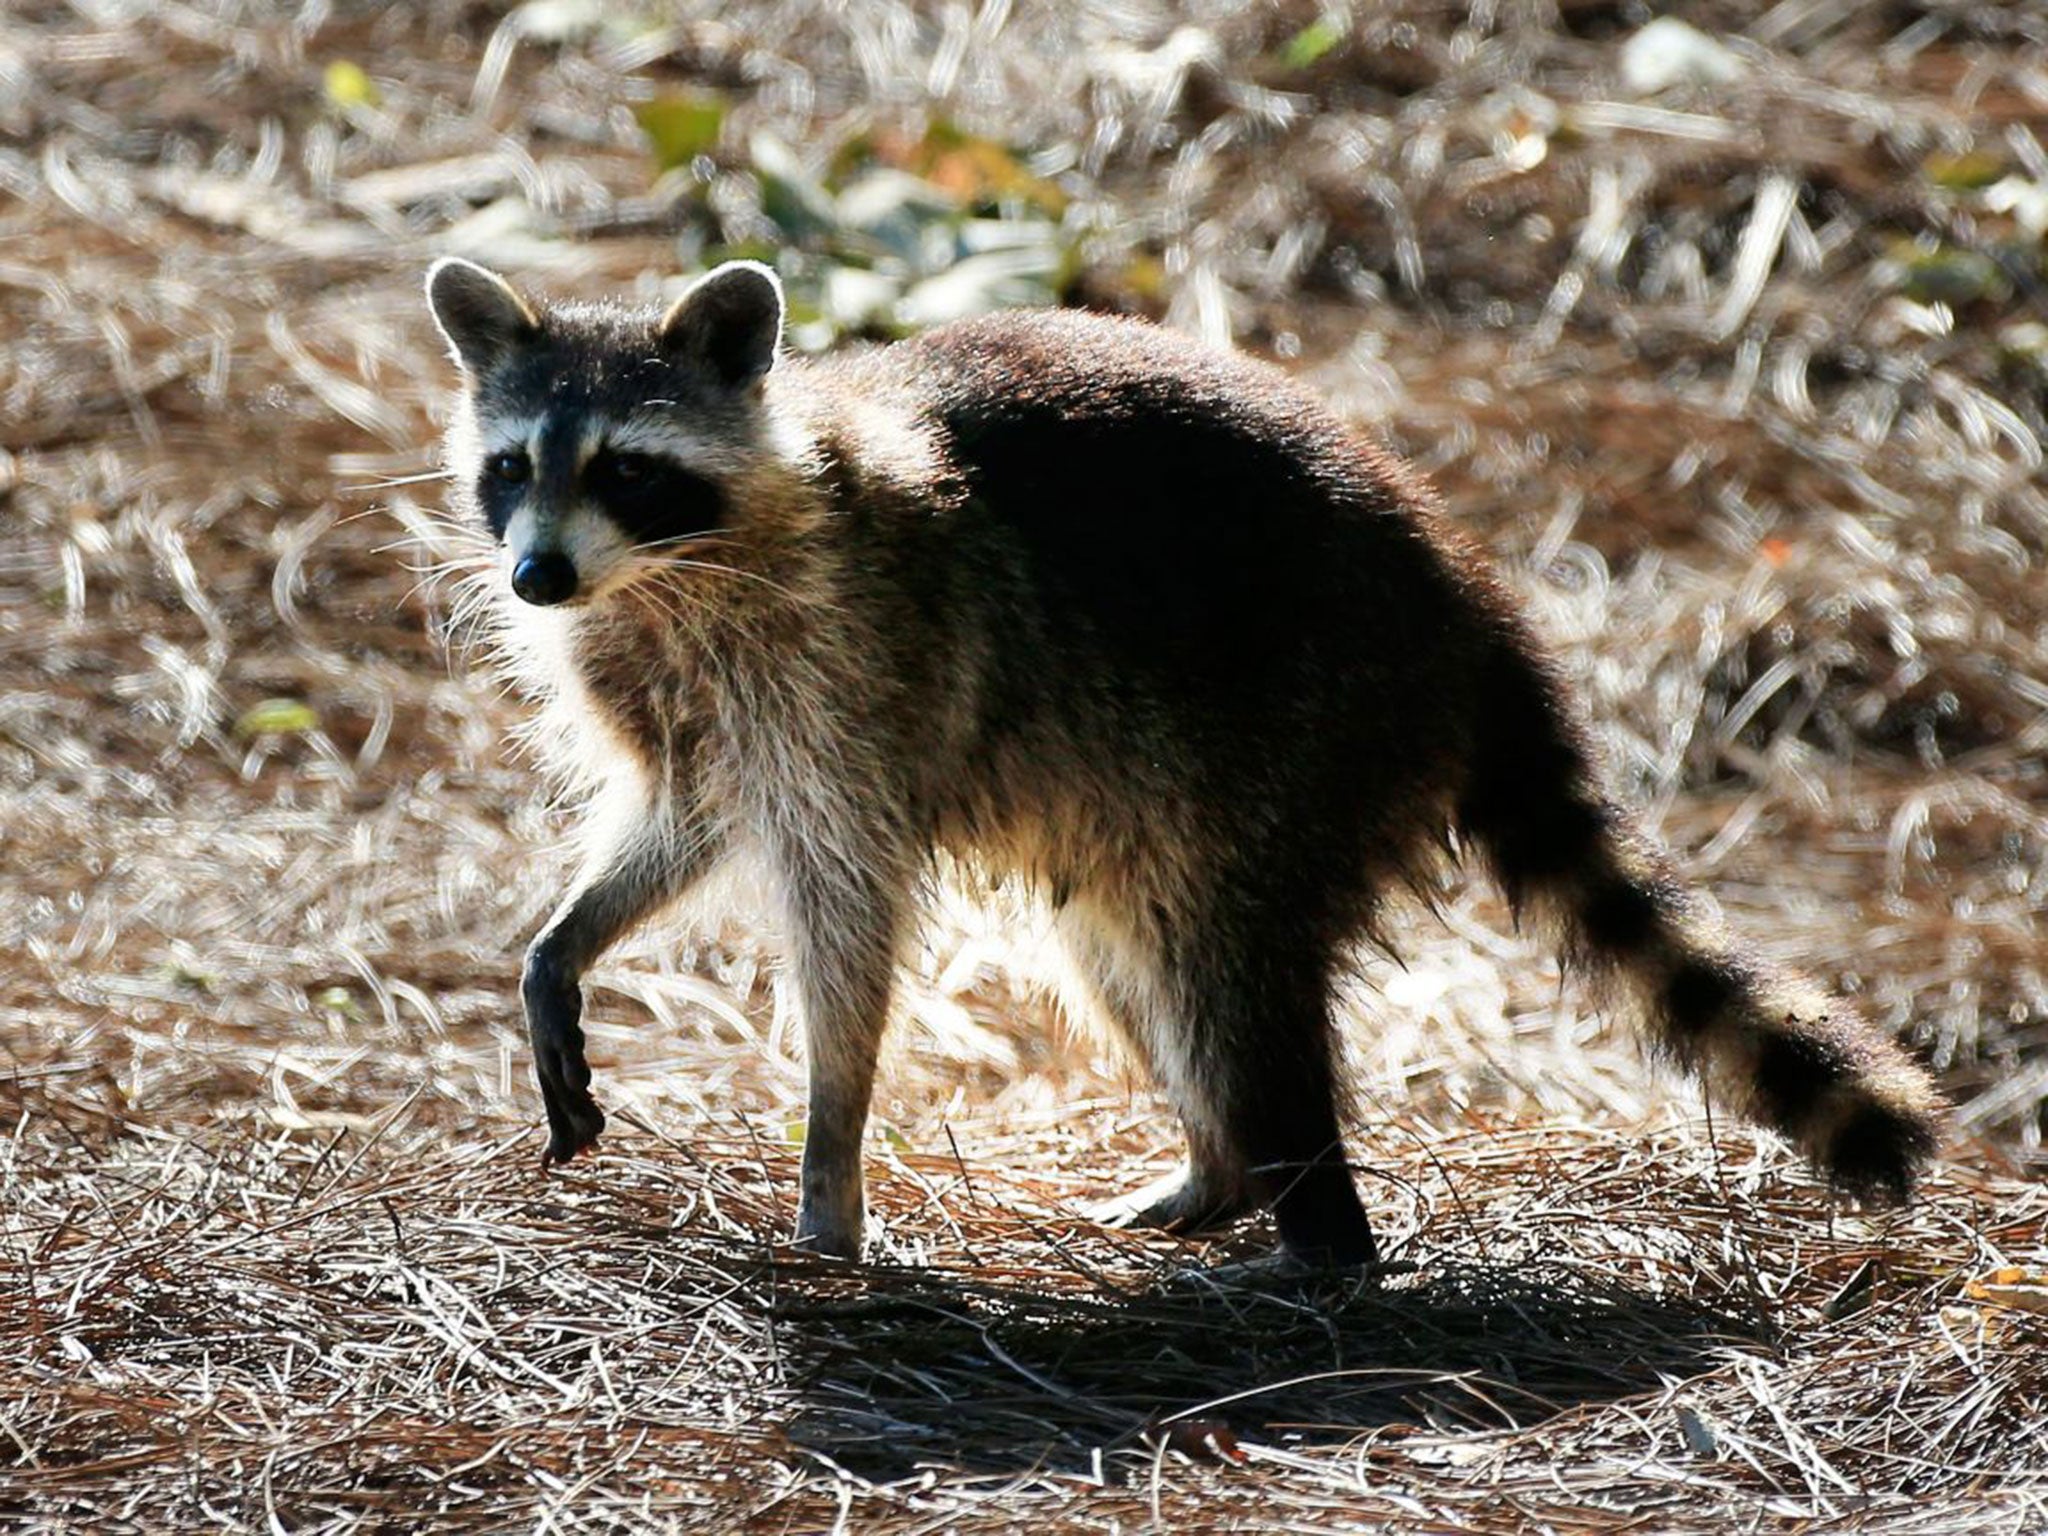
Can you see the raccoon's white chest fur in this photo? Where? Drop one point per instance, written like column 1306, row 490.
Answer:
column 576, row 741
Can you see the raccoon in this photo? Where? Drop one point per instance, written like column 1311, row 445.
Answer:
column 1080, row 601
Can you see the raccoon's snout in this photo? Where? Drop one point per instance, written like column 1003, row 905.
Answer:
column 545, row 578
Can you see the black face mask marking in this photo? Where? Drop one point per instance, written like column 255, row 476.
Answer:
column 653, row 500
column 501, row 487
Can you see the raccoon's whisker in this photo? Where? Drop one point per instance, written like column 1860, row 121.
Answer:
column 678, row 539
column 437, row 568
column 713, row 568
column 410, row 512
column 667, row 550
column 669, row 609
column 661, row 611
column 640, row 578
column 674, row 604
column 684, row 547
column 406, row 546
column 467, row 609
column 365, row 487
column 453, row 570
column 648, row 568
column 468, row 602
column 446, row 567
column 437, row 530
column 469, row 606
column 435, row 534
column 462, row 647
column 427, row 583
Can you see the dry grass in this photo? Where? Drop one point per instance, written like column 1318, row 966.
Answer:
column 1739, row 380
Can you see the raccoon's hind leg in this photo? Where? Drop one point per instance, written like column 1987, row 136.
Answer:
column 1122, row 978
column 1256, row 995
column 1238, row 1033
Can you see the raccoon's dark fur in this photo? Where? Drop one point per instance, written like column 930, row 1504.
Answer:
column 1079, row 599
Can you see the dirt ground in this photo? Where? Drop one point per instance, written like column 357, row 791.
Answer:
column 1732, row 343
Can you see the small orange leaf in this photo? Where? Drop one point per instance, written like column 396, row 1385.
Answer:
column 2023, row 1290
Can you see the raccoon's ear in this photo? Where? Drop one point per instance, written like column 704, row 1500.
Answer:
column 730, row 320
column 479, row 312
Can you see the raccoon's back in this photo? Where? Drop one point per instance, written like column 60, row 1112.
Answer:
column 1203, row 520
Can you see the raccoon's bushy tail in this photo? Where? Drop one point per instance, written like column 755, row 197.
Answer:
column 1767, row 1042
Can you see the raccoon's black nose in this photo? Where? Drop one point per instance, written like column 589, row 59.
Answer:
column 545, row 579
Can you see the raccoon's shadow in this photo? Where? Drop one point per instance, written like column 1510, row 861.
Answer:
column 935, row 1366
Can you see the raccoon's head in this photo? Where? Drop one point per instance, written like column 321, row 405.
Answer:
column 596, row 440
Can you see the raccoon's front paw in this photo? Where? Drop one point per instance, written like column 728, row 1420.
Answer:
column 1184, row 1202
column 574, row 1121
column 554, row 1014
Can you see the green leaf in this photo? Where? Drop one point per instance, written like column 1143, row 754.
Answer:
column 1966, row 172
column 347, row 84
column 179, row 974
column 1145, row 276
column 790, row 195
column 1311, row 43
column 277, row 717
column 681, row 126
column 1948, row 275
column 763, row 251
column 339, row 1000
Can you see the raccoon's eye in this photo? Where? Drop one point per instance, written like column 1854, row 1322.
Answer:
column 652, row 498
column 511, row 465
